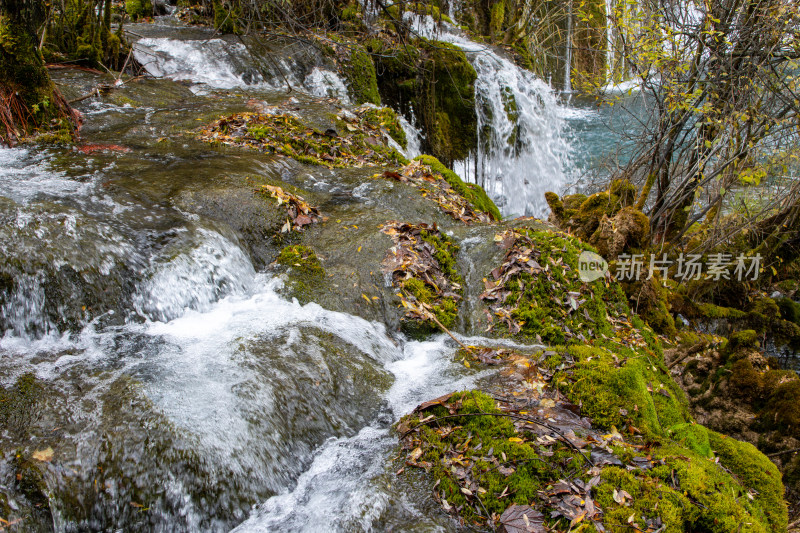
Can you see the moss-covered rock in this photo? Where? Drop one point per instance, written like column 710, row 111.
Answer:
column 386, row 118
column 137, row 9
column 359, row 73
column 285, row 134
column 436, row 81
column 552, row 305
column 302, row 258
column 31, row 102
column 20, row 404
column 472, row 192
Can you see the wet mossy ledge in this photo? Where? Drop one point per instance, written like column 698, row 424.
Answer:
column 471, row 192
column 358, row 143
column 590, row 433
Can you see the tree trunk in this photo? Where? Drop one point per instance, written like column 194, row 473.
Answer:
column 29, row 101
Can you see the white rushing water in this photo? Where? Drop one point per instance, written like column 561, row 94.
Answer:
column 272, row 396
column 220, row 64
column 523, row 148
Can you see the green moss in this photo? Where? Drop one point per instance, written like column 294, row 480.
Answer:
column 651, row 498
column 436, row 81
column 302, row 258
column 790, row 310
column 555, row 204
column 498, row 12
column 744, row 339
column 473, row 193
column 20, row 404
column 620, row 387
column 448, row 101
column 708, row 310
column 359, row 72
column 226, row 16
column 444, row 307
column 754, row 471
column 385, row 117
column 532, row 471
column 694, row 437
column 24, row 78
column 624, row 190
column 287, row 135
column 137, row 9
column 541, row 302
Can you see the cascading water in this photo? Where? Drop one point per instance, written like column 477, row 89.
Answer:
column 181, row 389
column 523, row 149
column 220, row 64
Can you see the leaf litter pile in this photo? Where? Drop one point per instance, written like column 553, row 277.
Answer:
column 359, row 145
column 299, row 214
column 432, row 185
column 520, row 457
column 422, row 266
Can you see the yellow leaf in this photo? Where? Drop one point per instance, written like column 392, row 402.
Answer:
column 45, row 455
column 366, row 298
column 515, row 439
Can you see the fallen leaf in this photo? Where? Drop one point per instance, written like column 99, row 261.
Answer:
column 45, row 455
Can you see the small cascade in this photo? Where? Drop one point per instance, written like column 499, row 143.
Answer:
column 219, row 64
column 523, row 149
column 413, row 137
column 213, row 268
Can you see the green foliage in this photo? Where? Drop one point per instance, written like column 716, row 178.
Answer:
column 473, row 193
column 137, row 9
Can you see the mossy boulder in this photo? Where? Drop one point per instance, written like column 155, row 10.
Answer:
column 448, row 102
column 627, row 230
column 554, row 306
column 387, row 119
column 790, row 310
column 138, row 9
column 435, row 80
column 31, row 100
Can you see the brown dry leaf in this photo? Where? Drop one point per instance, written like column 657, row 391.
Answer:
column 522, row 519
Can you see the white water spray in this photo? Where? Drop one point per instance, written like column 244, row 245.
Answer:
column 523, row 149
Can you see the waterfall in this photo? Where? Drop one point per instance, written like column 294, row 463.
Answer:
column 523, row 148
column 220, row 64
